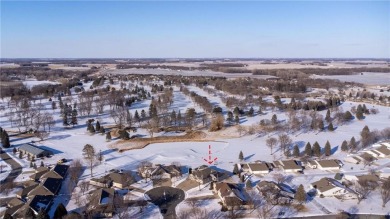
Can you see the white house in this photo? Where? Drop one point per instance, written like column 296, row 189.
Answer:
column 329, row 164
column 255, row 168
column 329, row 187
column 288, row 166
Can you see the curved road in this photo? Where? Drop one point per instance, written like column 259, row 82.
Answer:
column 166, row 198
column 15, row 172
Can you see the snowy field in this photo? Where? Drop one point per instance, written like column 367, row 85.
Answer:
column 186, row 73
column 226, row 145
column 367, row 78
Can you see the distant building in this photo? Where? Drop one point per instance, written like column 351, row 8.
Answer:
column 330, row 187
column 34, row 151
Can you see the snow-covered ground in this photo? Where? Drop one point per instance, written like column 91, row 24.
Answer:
column 69, row 142
column 367, row 78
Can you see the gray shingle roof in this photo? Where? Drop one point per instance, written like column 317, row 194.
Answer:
column 31, row 149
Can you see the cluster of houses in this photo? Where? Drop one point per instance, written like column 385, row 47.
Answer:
column 380, row 150
column 39, row 192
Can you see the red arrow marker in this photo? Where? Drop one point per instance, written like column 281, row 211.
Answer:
column 210, row 160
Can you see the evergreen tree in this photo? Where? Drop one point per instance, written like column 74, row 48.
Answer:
column 74, row 117
column 327, row 149
column 327, row 117
column 60, row 211
column 308, row 150
column 352, row 144
column 35, row 166
column 5, row 140
column 251, row 112
column 300, row 195
column 123, row 134
column 179, row 118
column 97, row 125
column 241, row 156
column 53, row 105
column 102, row 130
column 91, row 128
column 136, row 116
column 330, row 127
column 366, row 136
column 31, row 164
column 359, row 112
column 108, row 136
column 173, row 117
column 235, row 169
column 296, row 151
column 230, row 117
column 316, row 149
column 348, row 116
column 237, row 119
column 320, row 125
column 143, row 114
column 42, row 164
column 100, row 157
column 14, row 151
column 20, row 155
column 274, row 119
column 344, row 146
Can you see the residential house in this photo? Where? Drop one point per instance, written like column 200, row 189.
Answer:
column 34, row 151
column 33, row 205
column 104, row 181
column 256, row 168
column 161, row 171
column 274, row 193
column 59, row 171
column 121, row 180
column 383, row 151
column 354, row 159
column 329, row 187
column 50, row 186
column 204, row 174
column 329, row 164
column 102, row 204
column 232, row 196
column 39, row 172
column 288, row 166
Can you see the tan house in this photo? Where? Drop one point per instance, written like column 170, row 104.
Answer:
column 204, row 174
column 288, row 166
column 256, row 168
column 232, row 196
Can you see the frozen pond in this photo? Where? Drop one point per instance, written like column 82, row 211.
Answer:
column 367, row 78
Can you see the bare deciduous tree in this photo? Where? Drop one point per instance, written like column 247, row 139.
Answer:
column 385, row 192
column 90, row 156
column 271, row 143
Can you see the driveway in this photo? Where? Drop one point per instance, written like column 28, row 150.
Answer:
column 166, row 198
column 15, row 172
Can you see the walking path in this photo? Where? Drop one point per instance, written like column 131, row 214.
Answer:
column 15, row 172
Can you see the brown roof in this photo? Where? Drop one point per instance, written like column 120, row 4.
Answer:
column 120, row 178
column 290, row 164
column 258, row 166
column 202, row 172
column 15, row 202
column 323, row 185
column 25, row 191
column 384, row 150
column 328, row 163
column 369, row 177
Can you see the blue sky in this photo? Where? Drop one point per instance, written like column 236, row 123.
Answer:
column 159, row 29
